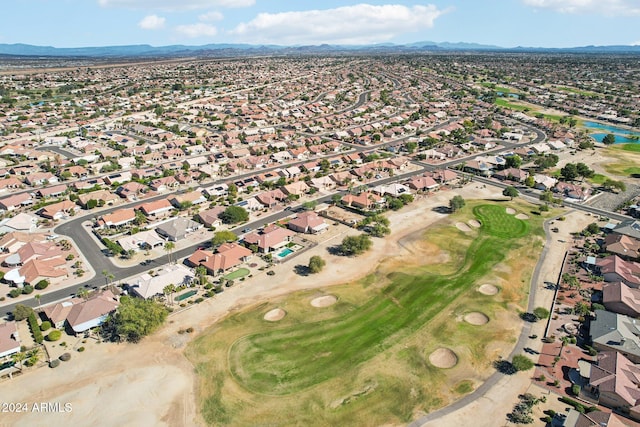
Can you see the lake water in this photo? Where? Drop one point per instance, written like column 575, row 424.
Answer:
column 621, row 135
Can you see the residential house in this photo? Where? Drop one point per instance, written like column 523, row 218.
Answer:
column 37, row 179
column 24, row 222
column 59, row 210
column 102, row 198
column 271, row 238
column 93, row 312
column 147, row 239
column 619, row 298
column 118, row 218
column 53, row 191
column 36, row 270
column 157, row 208
column 626, row 247
column 297, row 188
column 572, row 191
column 227, row 256
column 118, row 178
column 393, row 189
column 544, row 182
column 423, row 183
column 192, row 197
column 615, row 380
column 177, row 228
column 9, row 339
column 443, row 176
column 131, row 190
column 616, row 332
column 163, row 184
column 364, row 200
column 629, row 227
column 210, row 217
column 271, row 198
column 615, row 269
column 57, row 313
column 15, row 201
column 308, row 222
column 512, row 174
column 323, row 183
column 147, row 286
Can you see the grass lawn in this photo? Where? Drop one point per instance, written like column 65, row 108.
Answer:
column 518, row 107
column 369, row 352
column 628, row 159
column 241, row 272
column 597, row 179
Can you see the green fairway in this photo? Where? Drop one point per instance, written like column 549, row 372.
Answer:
column 241, row 272
column 285, row 361
column 633, row 147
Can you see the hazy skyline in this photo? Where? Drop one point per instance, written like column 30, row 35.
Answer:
column 506, row 23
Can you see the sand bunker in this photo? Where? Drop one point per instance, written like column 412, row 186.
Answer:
column 443, row 358
column 476, row 318
column 324, row 301
column 522, row 216
column 511, row 211
column 474, row 223
column 463, row 227
column 488, row 289
column 275, row 315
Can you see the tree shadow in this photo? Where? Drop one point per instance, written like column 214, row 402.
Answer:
column 529, row 317
column 301, row 270
column 504, row 367
column 442, row 209
column 334, row 250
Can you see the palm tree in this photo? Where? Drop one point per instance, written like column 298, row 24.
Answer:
column 169, row 246
column 37, row 298
column 168, row 291
column 201, row 271
column 108, row 276
column 19, row 358
column 83, row 293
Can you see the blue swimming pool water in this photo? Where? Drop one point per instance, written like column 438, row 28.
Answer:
column 283, row 253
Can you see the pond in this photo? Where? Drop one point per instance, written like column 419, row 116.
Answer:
column 622, row 136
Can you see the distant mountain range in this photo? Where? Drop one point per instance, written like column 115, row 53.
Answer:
column 224, row 49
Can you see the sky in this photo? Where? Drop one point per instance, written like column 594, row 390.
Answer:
column 505, row 23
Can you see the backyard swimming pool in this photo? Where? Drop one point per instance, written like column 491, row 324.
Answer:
column 284, row 253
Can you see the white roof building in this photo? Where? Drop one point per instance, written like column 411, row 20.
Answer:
column 147, row 286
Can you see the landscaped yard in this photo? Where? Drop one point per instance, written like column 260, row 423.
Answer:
column 241, row 272
column 369, row 352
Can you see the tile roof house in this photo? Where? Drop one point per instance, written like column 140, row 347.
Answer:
column 629, row 227
column 193, row 197
column 615, row 269
column 102, row 196
column 156, row 208
column 92, row 312
column 117, row 218
column 364, row 200
column 512, row 174
column 9, row 339
column 422, row 183
column 227, row 256
column 210, row 218
column 15, row 201
column 177, row 228
column 36, row 270
column 271, row 237
column 59, row 210
column 624, row 246
column 308, row 222
column 24, row 221
column 616, row 382
column 620, row 298
column 147, row 239
column 57, row 313
column 616, row 332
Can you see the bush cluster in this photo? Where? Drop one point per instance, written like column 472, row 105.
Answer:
column 35, row 328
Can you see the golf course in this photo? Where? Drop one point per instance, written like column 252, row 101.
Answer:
column 409, row 337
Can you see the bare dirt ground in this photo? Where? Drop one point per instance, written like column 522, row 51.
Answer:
column 152, row 383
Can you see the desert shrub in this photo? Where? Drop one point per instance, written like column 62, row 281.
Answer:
column 65, row 357
column 541, row 312
column 522, row 363
column 54, row 363
column 80, row 349
column 45, row 325
column 27, row 289
column 189, row 330
column 199, row 300
column 42, row 284
column 54, row 335
column 35, row 328
column 15, row 293
column 575, row 389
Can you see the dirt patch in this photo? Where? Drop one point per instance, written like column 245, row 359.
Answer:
column 476, row 318
column 443, row 358
column 324, row 301
column 463, row 227
column 275, row 315
column 511, row 211
column 487, row 289
column 474, row 223
column 522, row 216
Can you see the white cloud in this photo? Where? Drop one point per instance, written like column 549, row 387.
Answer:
column 197, row 30
column 151, row 22
column 211, row 17
column 357, row 24
column 601, row 7
column 175, row 4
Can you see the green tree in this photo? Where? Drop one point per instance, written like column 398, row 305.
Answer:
column 310, row 205
column 355, row 245
column 21, row 312
column 530, row 181
column 168, row 292
column 611, row 184
column 513, row 161
column 522, row 363
column 456, row 203
column 541, row 312
column 19, row 358
column 584, row 171
column 234, row 215
column 510, row 192
column 221, row 237
column 546, row 161
column 609, row 139
column 316, row 264
column 134, row 319
column 569, row 172
column 201, row 272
